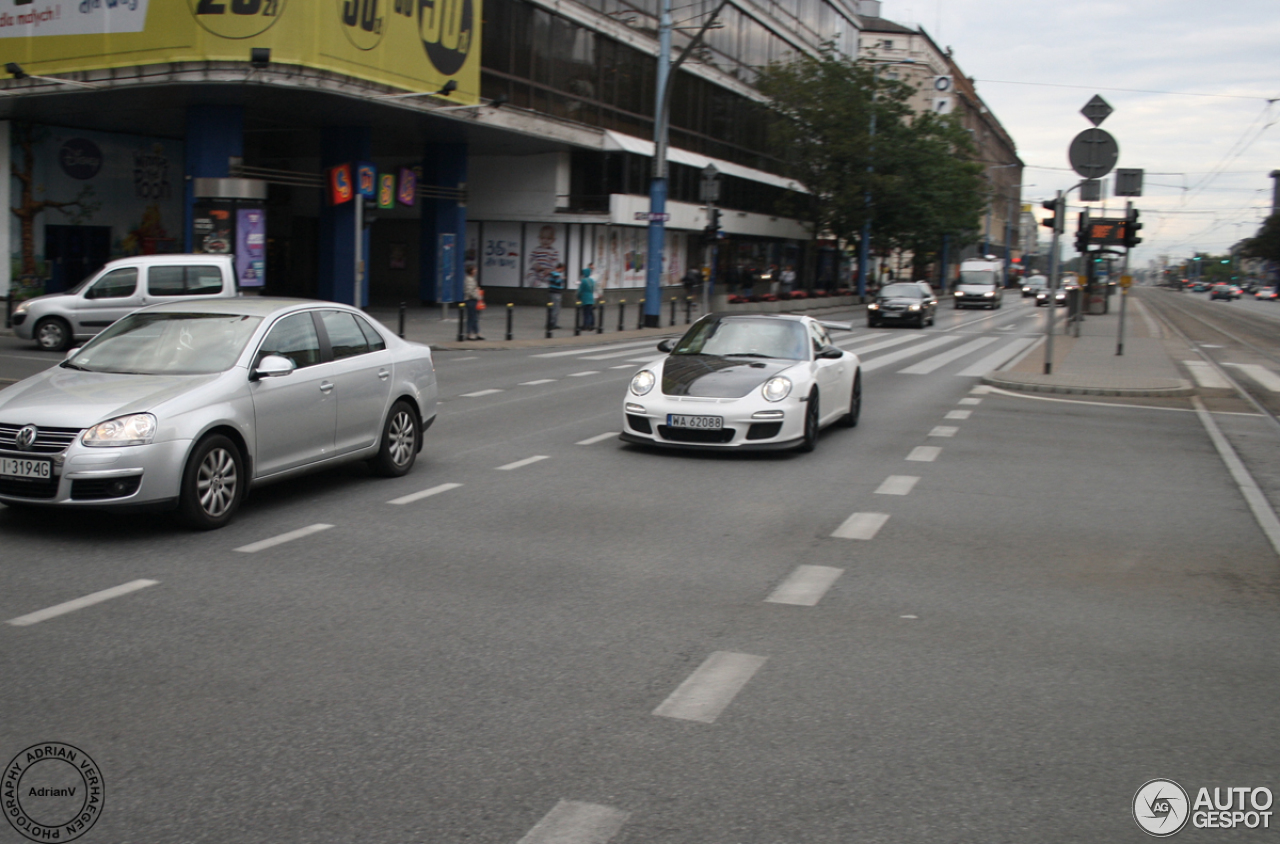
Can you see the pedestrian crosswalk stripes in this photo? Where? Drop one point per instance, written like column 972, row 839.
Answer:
column 939, row 361
column 901, row 354
column 998, row 358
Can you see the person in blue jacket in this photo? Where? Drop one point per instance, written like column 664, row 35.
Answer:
column 555, row 285
column 587, row 297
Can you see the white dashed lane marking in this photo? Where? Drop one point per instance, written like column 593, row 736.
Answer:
column 580, row 374
column 264, row 544
column 478, row 393
column 1205, row 375
column 593, row 349
column 958, row 414
column 970, row 401
column 943, row 431
column 897, row 485
column 861, row 526
column 574, row 822
column 426, row 493
column 520, row 463
column 81, row 603
column 711, row 688
column 805, row 586
column 1261, row 374
column 598, row 438
column 626, row 366
column 924, row 453
column 536, row 383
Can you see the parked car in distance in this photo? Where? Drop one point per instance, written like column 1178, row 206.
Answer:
column 1266, row 294
column 189, row 404
column 1223, row 291
column 744, row 382
column 981, row 284
column 1033, row 285
column 903, row 302
column 57, row 321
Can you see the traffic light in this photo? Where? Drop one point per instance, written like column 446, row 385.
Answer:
column 1082, row 232
column 1131, row 228
column 712, row 232
column 1052, row 221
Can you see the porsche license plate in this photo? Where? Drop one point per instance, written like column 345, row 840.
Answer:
column 675, row 420
column 17, row 467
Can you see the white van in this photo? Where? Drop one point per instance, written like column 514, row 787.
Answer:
column 59, row 320
column 981, row 283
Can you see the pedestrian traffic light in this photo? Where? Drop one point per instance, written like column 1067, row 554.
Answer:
column 1131, row 228
column 1082, row 232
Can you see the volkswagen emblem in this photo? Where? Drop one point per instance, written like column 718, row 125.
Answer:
column 26, row 437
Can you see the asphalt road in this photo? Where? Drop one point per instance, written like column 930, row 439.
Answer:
column 1053, row 602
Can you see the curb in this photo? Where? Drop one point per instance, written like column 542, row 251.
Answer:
column 1157, row 387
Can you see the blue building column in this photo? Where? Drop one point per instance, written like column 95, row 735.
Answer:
column 341, row 145
column 214, row 135
column 443, row 166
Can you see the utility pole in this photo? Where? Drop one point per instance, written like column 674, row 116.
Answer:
column 1059, row 224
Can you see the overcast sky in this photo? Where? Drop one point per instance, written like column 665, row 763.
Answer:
column 1207, row 158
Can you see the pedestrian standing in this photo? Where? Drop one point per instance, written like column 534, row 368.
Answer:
column 788, row 281
column 555, row 285
column 587, row 297
column 473, row 296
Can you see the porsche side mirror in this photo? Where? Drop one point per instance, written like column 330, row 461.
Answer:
column 665, row 346
column 832, row 353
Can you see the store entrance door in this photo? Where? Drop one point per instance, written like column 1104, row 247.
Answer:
column 72, row 252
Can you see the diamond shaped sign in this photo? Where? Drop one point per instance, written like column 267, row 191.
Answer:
column 1097, row 110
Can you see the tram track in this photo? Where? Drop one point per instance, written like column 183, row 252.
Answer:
column 1246, row 332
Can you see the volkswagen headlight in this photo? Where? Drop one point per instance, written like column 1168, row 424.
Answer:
column 22, row 307
column 873, row 306
column 642, row 383
column 134, row 429
column 989, row 294
column 776, row 388
column 913, row 308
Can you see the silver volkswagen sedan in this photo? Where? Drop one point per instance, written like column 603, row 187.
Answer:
column 189, row 404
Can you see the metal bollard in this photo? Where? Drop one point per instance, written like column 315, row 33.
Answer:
column 510, row 310
column 688, row 310
column 548, row 320
column 600, row 318
column 622, row 314
column 402, row 320
column 673, row 310
column 462, row 315
column 640, row 316
column 577, row 319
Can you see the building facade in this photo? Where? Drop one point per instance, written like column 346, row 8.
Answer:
column 366, row 150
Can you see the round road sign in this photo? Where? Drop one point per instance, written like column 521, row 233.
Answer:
column 1093, row 153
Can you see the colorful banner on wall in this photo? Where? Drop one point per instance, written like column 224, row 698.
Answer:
column 341, row 187
column 251, row 247
column 366, row 179
column 408, row 191
column 412, row 45
column 386, row 191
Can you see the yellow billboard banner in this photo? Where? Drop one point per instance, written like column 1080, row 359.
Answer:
column 415, row 45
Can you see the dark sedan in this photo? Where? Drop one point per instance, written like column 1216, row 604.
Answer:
column 903, row 302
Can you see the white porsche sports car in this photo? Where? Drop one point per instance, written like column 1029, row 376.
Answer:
column 750, row 381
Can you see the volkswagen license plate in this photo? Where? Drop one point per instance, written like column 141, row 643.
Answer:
column 17, row 467
column 706, row 422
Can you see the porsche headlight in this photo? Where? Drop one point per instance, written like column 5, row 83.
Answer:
column 988, row 293
column 642, row 383
column 134, row 429
column 873, row 307
column 776, row 388
column 913, row 308
column 22, row 307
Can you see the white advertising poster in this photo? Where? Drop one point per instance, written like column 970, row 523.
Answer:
column 87, row 17
column 500, row 258
column 634, row 242
column 673, row 266
column 545, row 249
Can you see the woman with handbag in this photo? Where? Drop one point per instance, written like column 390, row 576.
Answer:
column 474, row 297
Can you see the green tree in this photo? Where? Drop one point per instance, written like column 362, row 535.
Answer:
column 1266, row 243
column 917, row 171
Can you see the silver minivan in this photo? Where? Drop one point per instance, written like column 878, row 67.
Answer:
column 58, row 321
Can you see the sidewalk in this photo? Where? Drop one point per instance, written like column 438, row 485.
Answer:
column 1088, row 364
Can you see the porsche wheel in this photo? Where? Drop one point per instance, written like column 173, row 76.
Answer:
column 850, row 419
column 811, row 418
